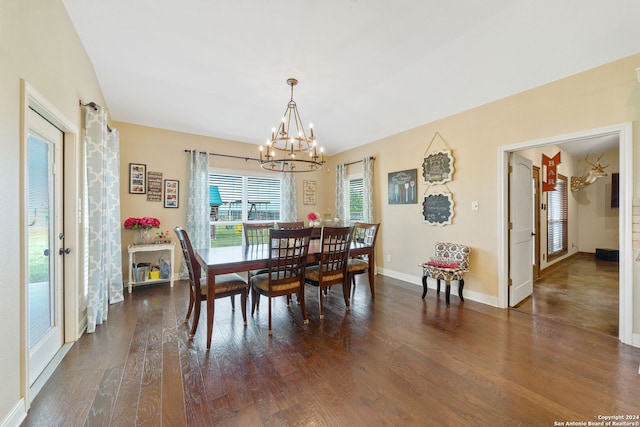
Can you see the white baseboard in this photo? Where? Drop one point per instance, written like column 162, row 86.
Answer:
column 635, row 341
column 417, row 280
column 16, row 416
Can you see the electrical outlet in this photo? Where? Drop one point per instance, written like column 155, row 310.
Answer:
column 388, row 257
column 475, row 206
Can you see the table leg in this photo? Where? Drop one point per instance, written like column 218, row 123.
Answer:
column 211, row 286
column 372, row 262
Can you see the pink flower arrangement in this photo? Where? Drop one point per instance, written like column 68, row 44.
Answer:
column 144, row 222
column 312, row 216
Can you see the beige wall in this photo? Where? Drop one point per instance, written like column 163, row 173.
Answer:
column 37, row 44
column 595, row 213
column 164, row 151
column 600, row 97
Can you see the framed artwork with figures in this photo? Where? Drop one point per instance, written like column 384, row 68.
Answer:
column 171, row 193
column 403, row 187
column 137, row 178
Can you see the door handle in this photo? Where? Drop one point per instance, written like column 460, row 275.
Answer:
column 46, row 252
column 64, row 251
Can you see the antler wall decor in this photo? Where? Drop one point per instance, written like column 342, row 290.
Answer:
column 597, row 171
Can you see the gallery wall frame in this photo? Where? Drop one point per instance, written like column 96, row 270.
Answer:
column 309, row 191
column 154, row 186
column 137, row 178
column 171, row 193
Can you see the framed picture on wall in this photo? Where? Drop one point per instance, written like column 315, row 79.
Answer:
column 403, row 187
column 171, row 193
column 309, row 192
column 137, row 178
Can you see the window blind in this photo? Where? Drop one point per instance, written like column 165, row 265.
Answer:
column 557, row 218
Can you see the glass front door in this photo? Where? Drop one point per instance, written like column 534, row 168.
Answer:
column 44, row 243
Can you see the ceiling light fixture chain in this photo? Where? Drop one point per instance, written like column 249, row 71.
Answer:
column 290, row 149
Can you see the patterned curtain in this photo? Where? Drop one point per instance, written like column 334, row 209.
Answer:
column 288, row 201
column 342, row 194
column 103, row 247
column 368, row 197
column 197, row 204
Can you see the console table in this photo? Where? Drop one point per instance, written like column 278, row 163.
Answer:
column 154, row 247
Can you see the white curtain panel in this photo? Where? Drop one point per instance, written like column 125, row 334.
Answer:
column 288, row 200
column 197, row 204
column 102, row 226
column 368, row 196
column 342, row 194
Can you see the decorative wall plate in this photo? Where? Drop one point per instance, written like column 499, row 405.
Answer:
column 437, row 208
column 437, row 167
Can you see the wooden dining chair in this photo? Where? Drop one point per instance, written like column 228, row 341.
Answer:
column 288, row 251
column 333, row 267
column 227, row 285
column 364, row 234
column 295, row 225
column 256, row 233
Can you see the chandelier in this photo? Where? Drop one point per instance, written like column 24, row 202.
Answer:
column 289, row 149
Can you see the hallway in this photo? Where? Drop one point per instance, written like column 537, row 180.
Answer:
column 579, row 291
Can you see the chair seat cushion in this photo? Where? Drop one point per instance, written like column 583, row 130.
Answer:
column 313, row 274
column 261, row 282
column 444, row 273
column 357, row 265
column 443, row 263
column 256, row 272
column 225, row 283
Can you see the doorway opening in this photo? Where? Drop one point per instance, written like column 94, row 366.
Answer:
column 623, row 133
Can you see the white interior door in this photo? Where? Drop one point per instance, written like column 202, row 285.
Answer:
column 521, row 229
column 44, row 243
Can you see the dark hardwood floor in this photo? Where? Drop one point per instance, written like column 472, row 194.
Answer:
column 395, row 360
column 580, row 291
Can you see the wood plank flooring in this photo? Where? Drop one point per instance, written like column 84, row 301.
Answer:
column 395, row 360
column 580, row 291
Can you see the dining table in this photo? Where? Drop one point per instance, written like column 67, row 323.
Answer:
column 242, row 258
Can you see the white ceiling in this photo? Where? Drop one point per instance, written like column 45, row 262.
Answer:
column 367, row 68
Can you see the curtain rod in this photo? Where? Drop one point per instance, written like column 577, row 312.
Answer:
column 228, row 156
column 257, row 160
column 358, row 161
column 94, row 107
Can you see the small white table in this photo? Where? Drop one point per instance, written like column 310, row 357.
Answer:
column 153, row 247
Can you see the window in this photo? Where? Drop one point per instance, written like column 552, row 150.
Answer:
column 244, row 198
column 356, row 192
column 557, row 219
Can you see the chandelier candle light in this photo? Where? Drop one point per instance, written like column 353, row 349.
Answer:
column 289, row 149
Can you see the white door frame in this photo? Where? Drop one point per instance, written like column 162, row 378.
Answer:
column 72, row 227
column 624, row 132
